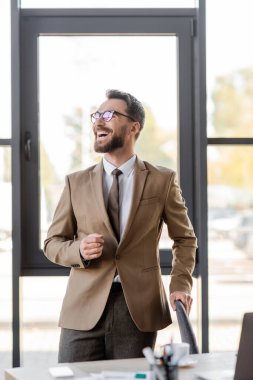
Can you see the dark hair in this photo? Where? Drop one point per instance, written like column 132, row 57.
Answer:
column 134, row 107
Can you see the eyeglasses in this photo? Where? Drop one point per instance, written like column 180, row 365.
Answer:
column 107, row 115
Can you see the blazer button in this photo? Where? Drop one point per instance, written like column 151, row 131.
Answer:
column 117, row 257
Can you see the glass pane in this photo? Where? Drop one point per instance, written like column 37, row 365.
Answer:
column 230, row 227
column 5, row 69
column 74, row 73
column 229, row 68
column 108, row 4
column 5, row 260
column 41, row 303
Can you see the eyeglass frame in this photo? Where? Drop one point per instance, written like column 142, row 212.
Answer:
column 112, row 112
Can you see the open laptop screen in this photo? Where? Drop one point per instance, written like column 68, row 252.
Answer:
column 244, row 363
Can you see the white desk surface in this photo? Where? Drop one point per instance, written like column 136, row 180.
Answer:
column 213, row 361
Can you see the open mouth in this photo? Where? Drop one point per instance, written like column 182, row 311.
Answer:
column 102, row 135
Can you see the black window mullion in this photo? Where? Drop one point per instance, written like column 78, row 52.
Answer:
column 230, row 140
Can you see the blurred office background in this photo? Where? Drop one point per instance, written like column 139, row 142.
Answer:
column 93, row 64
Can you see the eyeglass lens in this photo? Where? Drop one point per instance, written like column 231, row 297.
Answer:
column 107, row 115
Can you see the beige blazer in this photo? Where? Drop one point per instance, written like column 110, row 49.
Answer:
column 81, row 211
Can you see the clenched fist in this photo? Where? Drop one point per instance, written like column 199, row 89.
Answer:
column 91, row 247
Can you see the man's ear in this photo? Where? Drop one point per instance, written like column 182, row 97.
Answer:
column 135, row 127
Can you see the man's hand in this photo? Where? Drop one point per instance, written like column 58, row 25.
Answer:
column 184, row 297
column 91, row 246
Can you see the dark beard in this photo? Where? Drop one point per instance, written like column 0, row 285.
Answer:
column 115, row 143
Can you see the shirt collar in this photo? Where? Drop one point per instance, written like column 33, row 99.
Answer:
column 126, row 168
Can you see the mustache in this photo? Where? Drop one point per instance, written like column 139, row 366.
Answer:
column 108, row 130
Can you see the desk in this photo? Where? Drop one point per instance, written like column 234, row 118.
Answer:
column 224, row 360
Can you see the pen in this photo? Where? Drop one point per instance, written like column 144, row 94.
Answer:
column 149, row 355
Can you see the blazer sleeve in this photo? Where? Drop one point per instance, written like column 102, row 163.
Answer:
column 181, row 232
column 61, row 246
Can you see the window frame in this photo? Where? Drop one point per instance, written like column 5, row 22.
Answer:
column 179, row 22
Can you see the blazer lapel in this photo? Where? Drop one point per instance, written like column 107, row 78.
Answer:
column 96, row 178
column 140, row 176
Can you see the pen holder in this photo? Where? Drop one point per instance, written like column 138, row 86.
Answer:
column 171, row 371
column 157, row 372
column 164, row 372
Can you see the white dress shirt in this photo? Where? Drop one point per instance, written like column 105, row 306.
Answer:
column 126, row 181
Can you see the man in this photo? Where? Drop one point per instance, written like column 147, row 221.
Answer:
column 107, row 227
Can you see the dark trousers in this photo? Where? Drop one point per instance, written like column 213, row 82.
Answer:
column 114, row 337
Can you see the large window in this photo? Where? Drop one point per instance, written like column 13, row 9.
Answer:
column 5, row 192
column 230, row 164
column 63, row 60
column 67, row 65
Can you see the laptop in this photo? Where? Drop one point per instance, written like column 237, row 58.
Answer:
column 244, row 362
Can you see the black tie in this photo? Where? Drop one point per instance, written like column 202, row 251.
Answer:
column 113, row 203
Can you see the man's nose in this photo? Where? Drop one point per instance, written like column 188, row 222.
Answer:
column 99, row 122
